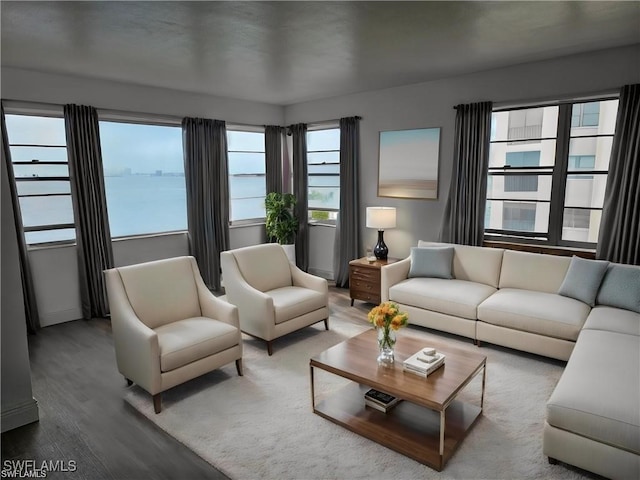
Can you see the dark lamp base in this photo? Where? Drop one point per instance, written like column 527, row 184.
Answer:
column 380, row 250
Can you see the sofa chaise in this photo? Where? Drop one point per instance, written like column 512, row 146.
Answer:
column 511, row 298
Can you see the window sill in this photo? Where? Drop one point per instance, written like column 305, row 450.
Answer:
column 147, row 235
column 322, row 224
column 547, row 249
column 242, row 224
column 51, row 245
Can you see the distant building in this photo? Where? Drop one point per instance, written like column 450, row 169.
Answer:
column 524, row 200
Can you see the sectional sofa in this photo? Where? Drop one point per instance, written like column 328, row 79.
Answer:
column 511, row 298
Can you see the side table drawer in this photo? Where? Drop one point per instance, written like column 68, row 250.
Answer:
column 365, row 274
column 371, row 297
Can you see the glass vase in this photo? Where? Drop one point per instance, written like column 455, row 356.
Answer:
column 386, row 342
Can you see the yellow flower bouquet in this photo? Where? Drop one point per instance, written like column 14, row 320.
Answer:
column 387, row 319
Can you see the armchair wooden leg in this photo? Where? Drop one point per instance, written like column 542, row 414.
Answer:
column 239, row 367
column 129, row 382
column 269, row 348
column 326, row 324
column 157, row 402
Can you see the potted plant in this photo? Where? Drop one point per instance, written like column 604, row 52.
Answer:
column 281, row 224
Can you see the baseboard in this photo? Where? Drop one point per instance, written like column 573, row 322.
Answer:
column 321, row 273
column 20, row 415
column 53, row 318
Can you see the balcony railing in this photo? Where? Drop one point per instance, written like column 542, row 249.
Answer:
column 532, row 133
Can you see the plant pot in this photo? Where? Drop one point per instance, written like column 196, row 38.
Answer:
column 290, row 251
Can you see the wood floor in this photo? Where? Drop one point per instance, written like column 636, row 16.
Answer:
column 84, row 418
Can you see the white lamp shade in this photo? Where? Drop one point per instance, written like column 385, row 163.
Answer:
column 381, row 217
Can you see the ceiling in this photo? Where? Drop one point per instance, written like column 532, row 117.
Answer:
column 289, row 52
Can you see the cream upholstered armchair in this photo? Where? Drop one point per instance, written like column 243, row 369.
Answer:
column 274, row 297
column 167, row 326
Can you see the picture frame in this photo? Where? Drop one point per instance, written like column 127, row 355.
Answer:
column 408, row 163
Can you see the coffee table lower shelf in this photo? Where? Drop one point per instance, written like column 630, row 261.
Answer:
column 408, row 428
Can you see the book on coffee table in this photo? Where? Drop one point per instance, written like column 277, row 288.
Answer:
column 380, row 400
column 422, row 363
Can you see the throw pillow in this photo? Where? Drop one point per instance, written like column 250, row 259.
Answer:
column 583, row 278
column 436, row 262
column 621, row 287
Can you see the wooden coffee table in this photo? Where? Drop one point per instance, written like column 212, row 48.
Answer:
column 430, row 423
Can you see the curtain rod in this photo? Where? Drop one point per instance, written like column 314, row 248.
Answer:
column 322, row 122
column 550, row 101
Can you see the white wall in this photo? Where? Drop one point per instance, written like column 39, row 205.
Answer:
column 55, row 269
column 431, row 105
column 57, row 284
column 321, row 243
column 18, row 404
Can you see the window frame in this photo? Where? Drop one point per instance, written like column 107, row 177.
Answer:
column 333, row 212
column 41, row 111
column 559, row 174
column 251, row 129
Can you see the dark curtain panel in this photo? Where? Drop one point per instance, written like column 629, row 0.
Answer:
column 620, row 224
column 273, row 157
column 206, row 172
column 347, row 242
column 29, row 294
column 93, row 236
column 463, row 220
column 300, row 191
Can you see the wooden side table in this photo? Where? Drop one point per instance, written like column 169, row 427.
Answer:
column 364, row 279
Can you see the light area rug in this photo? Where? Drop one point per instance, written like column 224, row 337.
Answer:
column 261, row 425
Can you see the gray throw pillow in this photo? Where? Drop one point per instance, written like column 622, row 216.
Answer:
column 436, row 262
column 583, row 279
column 621, row 287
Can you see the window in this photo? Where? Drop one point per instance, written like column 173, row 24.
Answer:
column 39, row 156
column 144, row 178
column 552, row 193
column 522, row 183
column 323, row 158
column 585, row 114
column 581, row 162
column 574, row 218
column 247, row 175
column 519, row 216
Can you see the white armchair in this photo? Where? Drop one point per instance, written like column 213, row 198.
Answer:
column 167, row 326
column 274, row 297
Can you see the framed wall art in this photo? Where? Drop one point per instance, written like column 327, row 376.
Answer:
column 408, row 163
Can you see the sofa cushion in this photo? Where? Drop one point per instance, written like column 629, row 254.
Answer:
column 583, row 279
column 161, row 291
column 452, row 297
column 433, row 262
column 597, row 395
column 292, row 302
column 475, row 264
column 264, row 267
column 191, row 339
column 621, row 287
column 546, row 314
column 613, row 320
column 533, row 271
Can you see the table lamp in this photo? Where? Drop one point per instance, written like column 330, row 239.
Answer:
column 381, row 218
